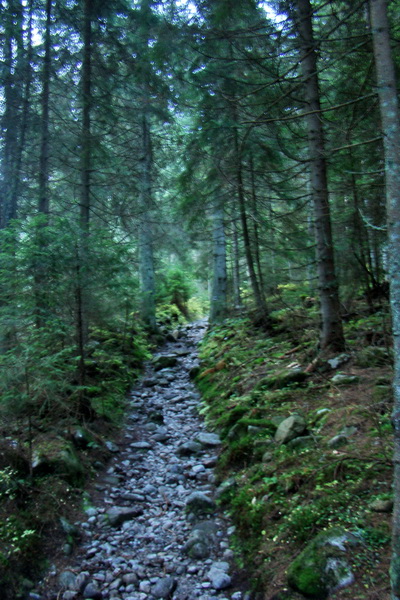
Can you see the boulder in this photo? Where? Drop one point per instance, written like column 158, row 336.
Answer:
column 58, row 456
column 218, row 575
column 282, row 379
column 201, row 540
column 189, row 448
column 342, row 379
column 324, row 565
column 292, row 427
column 338, row 440
column 92, row 591
column 209, row 439
column 164, row 361
column 67, row 580
column 200, row 504
column 119, row 514
column 82, row 438
column 338, row 361
column 194, row 371
column 164, row 587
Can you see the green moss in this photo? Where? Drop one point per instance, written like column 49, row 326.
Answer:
column 282, row 379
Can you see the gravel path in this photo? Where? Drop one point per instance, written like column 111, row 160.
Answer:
column 155, row 531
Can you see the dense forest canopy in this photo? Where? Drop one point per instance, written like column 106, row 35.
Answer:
column 168, row 159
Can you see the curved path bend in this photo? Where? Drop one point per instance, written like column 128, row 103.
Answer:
column 154, row 530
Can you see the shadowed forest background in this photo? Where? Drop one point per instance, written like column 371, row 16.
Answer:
column 165, row 161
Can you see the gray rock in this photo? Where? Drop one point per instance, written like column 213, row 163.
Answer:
column 341, row 379
column 150, row 382
column 68, row 528
column 209, row 439
column 219, row 579
column 189, row 448
column 130, row 578
column 111, row 446
column 69, row 595
column 141, row 446
column 92, row 591
column 164, row 588
column 292, row 427
column 338, row 361
column 119, row 514
column 164, row 361
column 200, row 504
column 67, row 581
column 337, row 441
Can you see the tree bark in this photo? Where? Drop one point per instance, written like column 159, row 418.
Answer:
column 82, row 270
column 146, row 256
column 44, row 144
column 11, row 123
column 390, row 117
column 41, row 293
column 236, row 267
column 331, row 327
column 258, row 297
column 218, row 306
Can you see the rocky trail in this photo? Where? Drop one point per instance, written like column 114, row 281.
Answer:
column 152, row 529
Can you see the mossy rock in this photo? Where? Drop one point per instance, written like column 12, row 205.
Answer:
column 374, row 356
column 324, row 565
column 342, row 379
column 81, row 437
column 292, row 427
column 164, row 361
column 282, row 379
column 59, row 457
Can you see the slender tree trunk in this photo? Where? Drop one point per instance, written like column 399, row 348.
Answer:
column 43, row 206
column 332, row 331
column 44, row 203
column 255, row 227
column 146, row 257
column 218, row 306
column 389, row 106
column 12, row 105
column 82, row 271
column 236, row 267
column 258, row 297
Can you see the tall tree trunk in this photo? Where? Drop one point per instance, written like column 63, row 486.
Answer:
column 44, row 202
column 146, row 257
column 82, row 271
column 43, row 206
column 236, row 267
column 255, row 226
column 218, row 306
column 389, row 107
column 332, row 331
column 11, row 123
column 258, row 297
column 17, row 77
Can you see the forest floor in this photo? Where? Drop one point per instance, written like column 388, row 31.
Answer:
column 337, row 473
